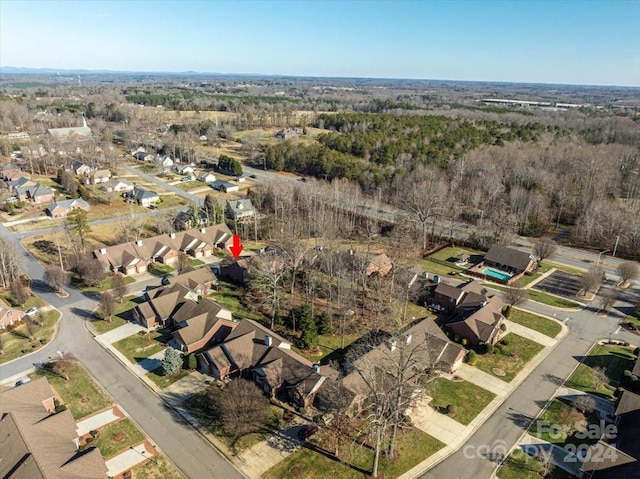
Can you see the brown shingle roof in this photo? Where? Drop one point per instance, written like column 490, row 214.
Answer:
column 509, row 257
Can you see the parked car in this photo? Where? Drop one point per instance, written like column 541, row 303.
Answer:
column 252, row 176
column 23, row 380
column 31, row 311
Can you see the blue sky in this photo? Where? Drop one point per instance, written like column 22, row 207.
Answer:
column 578, row 42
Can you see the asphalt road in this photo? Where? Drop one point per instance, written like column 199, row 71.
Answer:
column 188, row 450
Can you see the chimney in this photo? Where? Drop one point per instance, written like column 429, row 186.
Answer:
column 268, row 340
column 409, row 338
column 103, row 250
column 172, row 235
column 139, row 242
column 316, row 368
column 392, row 345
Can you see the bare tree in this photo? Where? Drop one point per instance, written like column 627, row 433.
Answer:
column 118, row 287
column 267, row 273
column 30, row 325
column 600, row 376
column 63, row 365
column 91, row 271
column 607, row 298
column 1, row 343
column 390, row 373
column 544, row 248
column 182, row 263
column 585, row 403
column 627, row 271
column 545, row 458
column 515, row 296
column 241, row 407
column 591, row 280
column 55, row 277
column 9, row 265
column 107, row 305
column 19, row 293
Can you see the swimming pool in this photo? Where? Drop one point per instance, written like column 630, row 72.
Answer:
column 497, row 274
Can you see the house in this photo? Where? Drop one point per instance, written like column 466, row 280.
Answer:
column 481, row 324
column 224, row 186
column 422, row 340
column 254, row 351
column 35, row 193
column 80, row 169
column 184, row 169
column 117, row 186
column 379, row 265
column 288, row 134
column 40, row 443
column 447, row 299
column 202, row 280
column 60, row 209
column 206, row 177
column 617, row 457
column 74, row 133
column 100, row 176
column 145, row 197
column 9, row 316
column 239, row 209
column 12, row 174
column 136, row 149
column 163, row 161
column 135, row 257
column 241, row 179
column 21, row 182
column 510, row 259
column 235, row 270
column 144, row 156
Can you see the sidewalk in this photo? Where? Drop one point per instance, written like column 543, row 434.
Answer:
column 529, row 333
column 115, row 335
column 484, row 380
column 99, row 420
column 130, row 458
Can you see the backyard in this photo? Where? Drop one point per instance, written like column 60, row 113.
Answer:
column 509, row 358
column 467, row 398
column 612, row 359
column 443, row 262
column 561, row 421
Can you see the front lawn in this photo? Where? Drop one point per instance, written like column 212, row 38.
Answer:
column 160, row 269
column 613, row 359
column 118, row 437
column 16, row 342
column 158, row 467
column 140, row 346
column 120, row 317
column 165, row 381
column 413, row 446
column 80, row 393
column 520, row 465
column 541, row 297
column 559, row 423
column 467, row 398
column 195, row 262
column 545, row 326
column 511, row 358
column 105, row 285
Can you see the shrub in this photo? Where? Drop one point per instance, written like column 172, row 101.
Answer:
column 465, row 341
column 471, row 358
column 451, row 410
column 498, row 348
column 456, row 338
column 627, row 374
column 504, row 342
column 637, row 351
column 488, row 348
column 503, row 327
column 506, row 311
column 192, row 361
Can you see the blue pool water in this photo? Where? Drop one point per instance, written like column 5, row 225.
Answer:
column 497, row 274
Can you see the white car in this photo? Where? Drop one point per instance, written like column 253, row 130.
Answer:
column 31, row 311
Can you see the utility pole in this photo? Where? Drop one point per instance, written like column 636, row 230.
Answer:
column 615, row 248
column 599, row 256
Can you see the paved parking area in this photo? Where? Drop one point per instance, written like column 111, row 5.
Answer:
column 560, row 283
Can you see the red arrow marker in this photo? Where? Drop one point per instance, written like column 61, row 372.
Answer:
column 236, row 249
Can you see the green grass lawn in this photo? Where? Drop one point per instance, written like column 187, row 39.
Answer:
column 16, row 343
column 191, row 185
column 541, row 297
column 140, row 346
column 557, row 422
column 229, row 296
column 32, row 301
column 328, row 344
column 160, row 269
column 528, row 278
column 195, row 262
column 468, row 398
column 413, row 447
column 438, row 268
column 520, row 465
column 545, row 326
column 547, row 265
column 118, row 437
column 101, row 326
column 614, row 359
column 80, row 393
column 165, row 381
column 104, row 285
column 159, row 467
column 512, row 358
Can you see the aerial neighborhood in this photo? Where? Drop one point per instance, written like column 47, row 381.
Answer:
column 309, row 277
